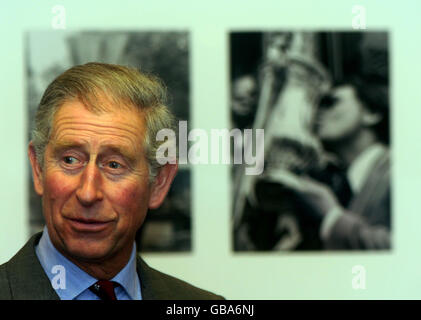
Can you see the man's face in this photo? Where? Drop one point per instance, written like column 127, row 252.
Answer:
column 340, row 116
column 244, row 95
column 94, row 183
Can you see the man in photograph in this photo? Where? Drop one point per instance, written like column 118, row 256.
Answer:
column 352, row 124
column 93, row 158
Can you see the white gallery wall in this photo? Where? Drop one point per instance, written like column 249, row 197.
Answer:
column 212, row 264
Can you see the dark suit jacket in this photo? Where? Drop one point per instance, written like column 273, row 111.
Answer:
column 367, row 223
column 23, row 278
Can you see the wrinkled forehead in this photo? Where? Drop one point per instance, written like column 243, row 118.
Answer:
column 75, row 119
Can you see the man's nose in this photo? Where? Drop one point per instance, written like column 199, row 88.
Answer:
column 89, row 190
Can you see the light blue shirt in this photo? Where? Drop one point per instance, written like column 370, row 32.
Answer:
column 76, row 281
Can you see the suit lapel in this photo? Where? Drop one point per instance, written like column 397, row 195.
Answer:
column 152, row 286
column 27, row 278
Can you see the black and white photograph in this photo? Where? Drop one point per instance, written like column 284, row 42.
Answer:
column 164, row 54
column 323, row 100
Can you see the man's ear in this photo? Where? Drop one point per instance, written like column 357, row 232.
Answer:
column 162, row 184
column 371, row 118
column 36, row 170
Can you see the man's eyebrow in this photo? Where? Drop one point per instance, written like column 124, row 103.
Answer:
column 130, row 156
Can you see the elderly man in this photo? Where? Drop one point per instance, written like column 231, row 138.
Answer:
column 93, row 158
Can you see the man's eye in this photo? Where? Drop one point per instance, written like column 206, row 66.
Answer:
column 70, row 160
column 114, row 165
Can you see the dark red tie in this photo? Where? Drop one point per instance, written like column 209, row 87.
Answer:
column 104, row 289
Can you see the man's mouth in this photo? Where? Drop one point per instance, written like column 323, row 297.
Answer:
column 88, row 225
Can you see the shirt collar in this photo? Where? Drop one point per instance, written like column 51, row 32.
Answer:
column 361, row 167
column 127, row 277
column 77, row 280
